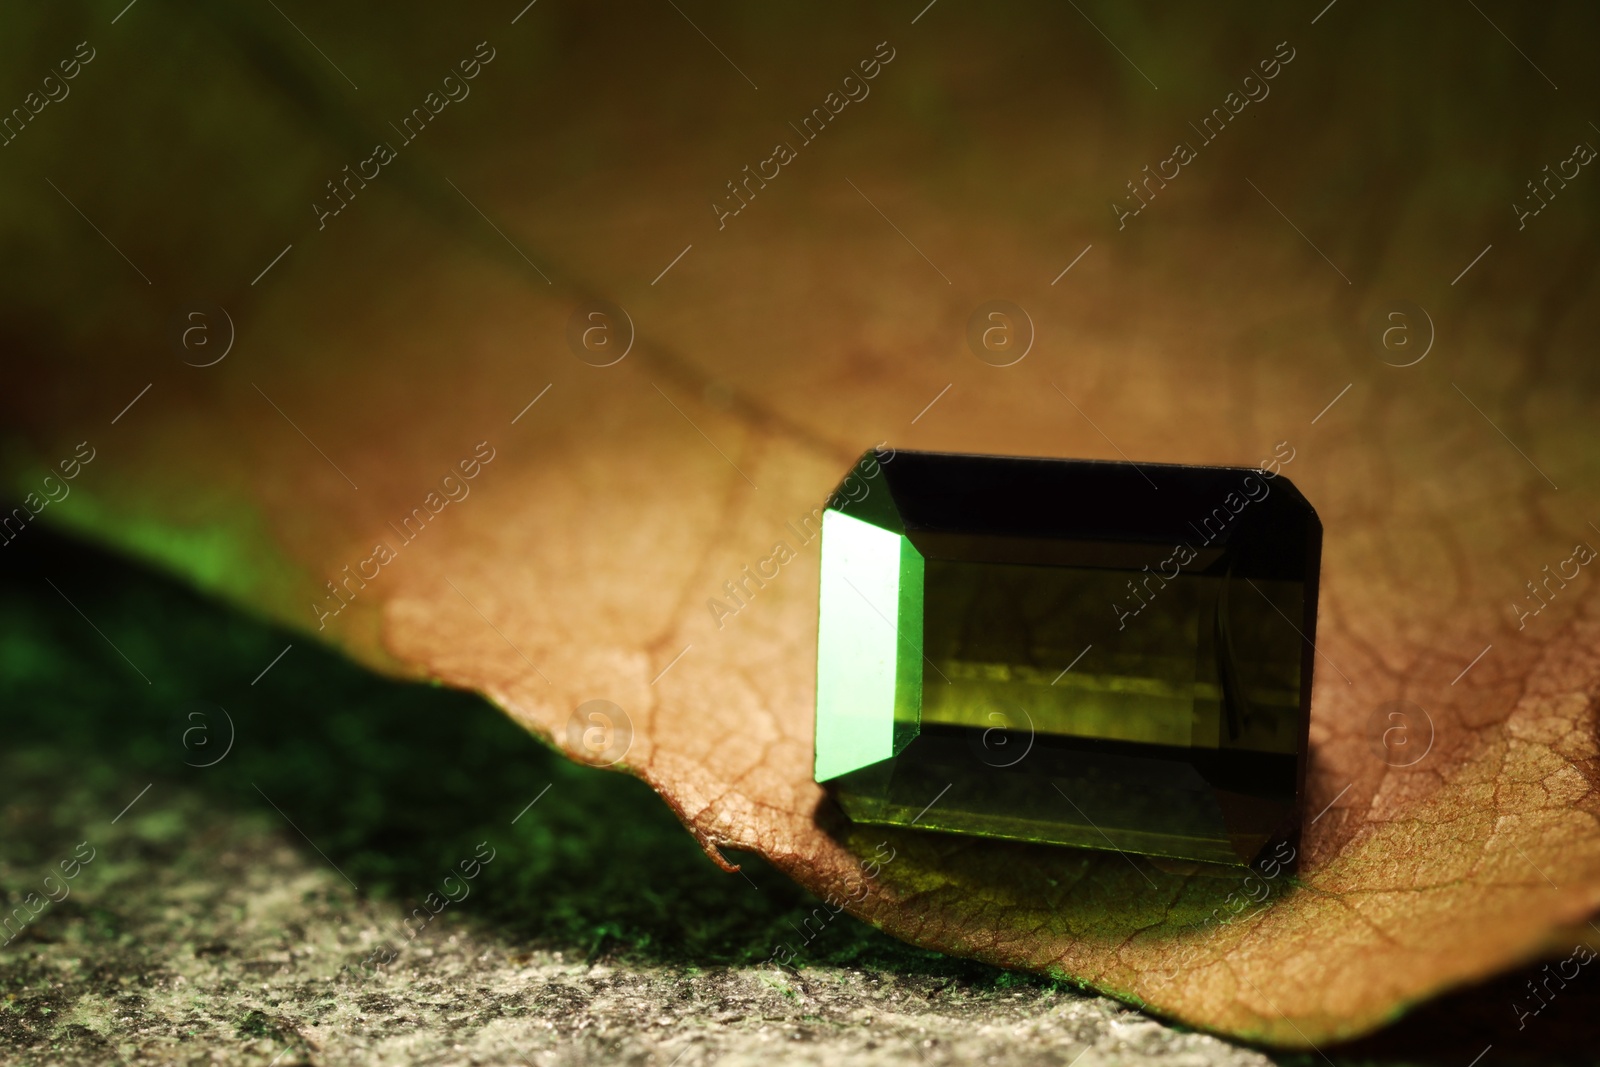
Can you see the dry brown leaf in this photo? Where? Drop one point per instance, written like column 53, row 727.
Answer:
column 383, row 348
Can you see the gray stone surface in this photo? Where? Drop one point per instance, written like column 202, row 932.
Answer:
column 252, row 956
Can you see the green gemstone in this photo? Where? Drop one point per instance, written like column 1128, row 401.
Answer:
column 1104, row 655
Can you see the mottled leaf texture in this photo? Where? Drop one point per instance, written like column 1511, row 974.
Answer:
column 1240, row 312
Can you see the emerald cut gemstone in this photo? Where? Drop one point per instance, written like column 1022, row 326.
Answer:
column 1107, row 655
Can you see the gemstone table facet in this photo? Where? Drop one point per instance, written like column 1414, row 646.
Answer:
column 1074, row 652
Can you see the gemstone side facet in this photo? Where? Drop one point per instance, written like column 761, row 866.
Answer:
column 1085, row 653
column 869, row 644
